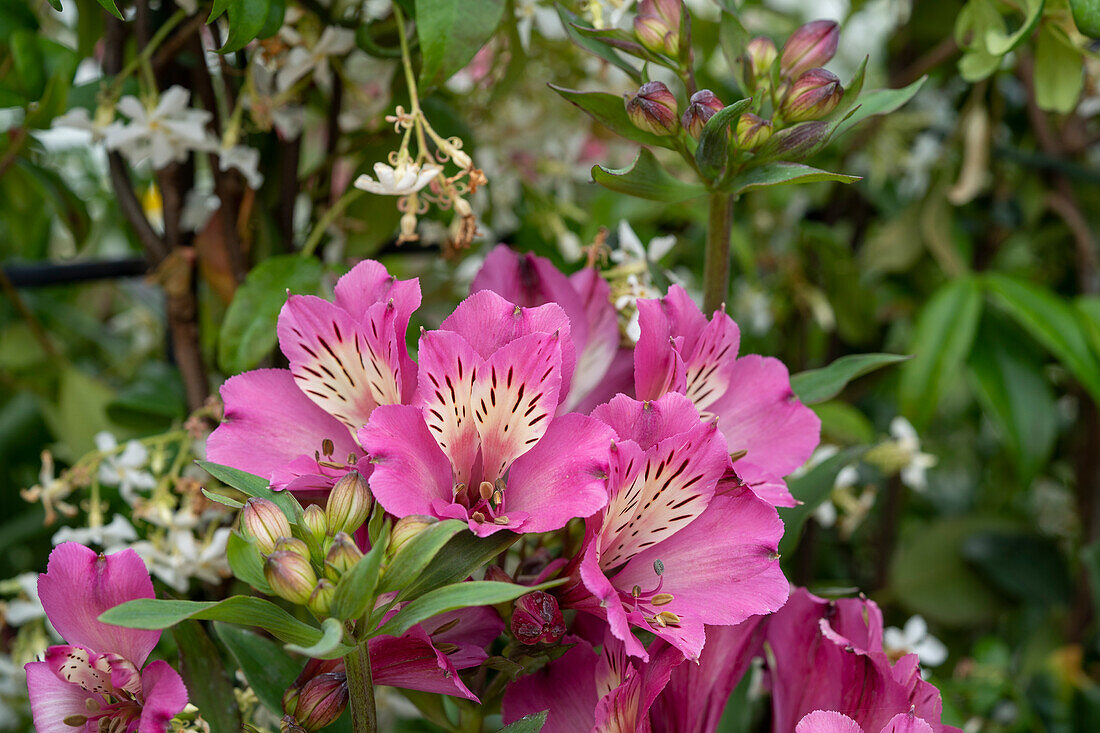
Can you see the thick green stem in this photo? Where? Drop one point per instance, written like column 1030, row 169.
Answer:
column 364, row 717
column 716, row 269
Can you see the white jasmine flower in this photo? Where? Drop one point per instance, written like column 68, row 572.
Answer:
column 165, row 134
column 113, row 536
column 244, row 159
column 913, row 473
column 531, row 15
column 301, row 62
column 914, row 639
column 125, row 469
column 21, row 610
column 631, row 248
column 406, row 178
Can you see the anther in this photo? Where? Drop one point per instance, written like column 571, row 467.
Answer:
column 327, row 446
column 501, row 521
column 662, row 599
column 485, row 490
column 477, row 517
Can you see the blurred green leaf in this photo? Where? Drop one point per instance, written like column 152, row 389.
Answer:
column 811, row 488
column 110, row 7
column 451, row 32
column 646, row 179
column 209, row 687
column 267, row 668
column 878, row 102
column 1021, row 565
column 1086, row 16
column 1059, row 73
column 276, row 15
column 782, row 174
column 248, row 331
column 80, row 412
column 571, row 22
column 818, row 385
column 610, row 111
column 841, row 423
column 151, row 400
column 527, row 724
column 246, row 563
column 942, row 339
column 246, row 19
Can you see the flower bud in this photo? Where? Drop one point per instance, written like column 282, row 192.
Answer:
column 406, row 528
column 811, row 45
column 263, row 521
column 657, row 25
column 813, row 95
column 315, row 522
column 752, row 131
column 760, row 55
column 321, row 599
column 701, row 107
column 341, row 556
column 348, row 504
column 293, row 544
column 291, row 576
column 796, row 143
column 653, row 109
column 317, row 697
column 537, row 618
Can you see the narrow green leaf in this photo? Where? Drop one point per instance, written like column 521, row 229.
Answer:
column 610, row 111
column 460, row 557
column 109, row 6
column 246, row 19
column 209, row 687
column 222, row 499
column 941, row 341
column 452, row 597
column 248, row 334
column 356, row 590
column 216, row 9
column 645, row 178
column 732, row 37
column 1052, row 322
column 782, row 174
column 819, row 385
column 451, row 32
column 329, row 646
column 714, row 140
column 246, row 563
column 571, row 22
column 527, row 724
column 1088, row 308
column 415, row 554
column 267, row 668
column 253, row 485
column 811, row 488
column 879, row 102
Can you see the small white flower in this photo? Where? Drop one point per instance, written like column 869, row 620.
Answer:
column 126, row 469
column 21, row 610
column 165, row 134
column 406, row 178
column 914, row 639
column 301, row 62
column 913, row 473
column 631, row 248
column 244, row 159
column 111, row 537
column 530, row 15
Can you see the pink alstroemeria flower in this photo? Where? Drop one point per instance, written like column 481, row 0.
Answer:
column 480, row 441
column 680, row 350
column 296, row 427
column 529, row 281
column 827, row 721
column 670, row 553
column 97, row 682
column 829, row 656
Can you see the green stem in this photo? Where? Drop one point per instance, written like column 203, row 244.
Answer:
column 364, row 717
column 327, row 218
column 716, row 269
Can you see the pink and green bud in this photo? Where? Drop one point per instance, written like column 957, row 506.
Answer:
column 760, row 55
column 348, row 504
column 264, row 522
column 317, row 698
column 752, row 131
column 536, row 619
column 315, row 522
column 320, row 601
column 341, row 556
column 810, row 46
column 813, row 95
column 657, row 25
column 406, row 528
column 290, row 576
column 653, row 109
column 701, row 107
column 796, row 143
column 292, row 544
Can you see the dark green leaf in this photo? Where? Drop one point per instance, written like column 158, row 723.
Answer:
column 246, row 20
column 460, row 557
column 1023, row 566
column 714, row 140
column 610, row 111
column 356, row 590
column 267, row 668
column 527, row 724
column 782, row 174
column 570, row 23
column 253, row 485
column 109, row 6
column 276, row 14
column 452, row 597
column 645, row 178
column 1086, row 15
column 811, row 488
column 818, row 385
column 216, row 9
column 246, row 563
column 416, row 553
column 209, row 687
column 451, row 32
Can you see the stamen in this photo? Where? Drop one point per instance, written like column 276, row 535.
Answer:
column 636, row 591
column 75, row 721
column 738, row 455
column 668, row 618
column 658, row 567
column 327, row 446
column 501, row 521
column 447, row 648
column 485, row 490
column 662, row 599
column 459, row 490
column 477, row 517
column 446, row 627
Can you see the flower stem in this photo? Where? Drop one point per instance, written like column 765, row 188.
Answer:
column 716, row 269
column 364, row 717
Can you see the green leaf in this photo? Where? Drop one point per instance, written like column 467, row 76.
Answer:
column 714, row 140
column 941, row 341
column 451, row 32
column 267, row 668
column 782, row 174
column 1052, row 322
column 209, row 687
column 416, row 553
column 56, row 5
column 818, row 385
column 1086, row 15
column 527, row 724
column 732, row 37
column 253, row 485
column 1088, row 308
column 356, row 590
column 1090, row 558
column 109, row 6
column 246, row 563
column 1021, row 565
column 1059, row 72
column 462, row 555
column 276, row 15
column 811, row 488
column 453, row 597
column 879, row 102
column 155, row 613
column 246, row 20
column 844, row 424
column 645, row 178
column 329, row 646
column 999, row 42
column 29, row 66
column 222, row 499
column 571, row 22
column 610, row 111
column 248, row 331
column 216, row 9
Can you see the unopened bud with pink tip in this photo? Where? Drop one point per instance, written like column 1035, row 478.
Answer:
column 810, row 46
column 657, row 25
column 348, row 504
column 536, row 618
column 701, row 107
column 752, row 131
column 290, row 576
column 320, row 601
column 653, row 109
column 264, row 522
column 760, row 55
column 812, row 96
column 318, row 697
column 341, row 556
column 315, row 522
column 405, row 529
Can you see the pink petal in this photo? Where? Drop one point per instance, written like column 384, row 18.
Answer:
column 619, row 379
column 165, row 696
column 475, row 629
column 446, row 378
column 771, row 489
column 410, row 471
column 760, row 414
column 563, row 476
column 907, row 723
column 368, row 283
column 411, row 662
column 79, row 585
column 658, row 366
column 602, row 345
column 53, row 699
column 514, row 397
column 710, row 364
column 566, row 687
column 269, row 423
column 608, row 606
column 822, row 721
column 648, row 423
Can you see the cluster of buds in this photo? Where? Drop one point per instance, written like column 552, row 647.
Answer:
column 657, row 25
column 323, row 539
column 317, row 697
column 800, row 89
